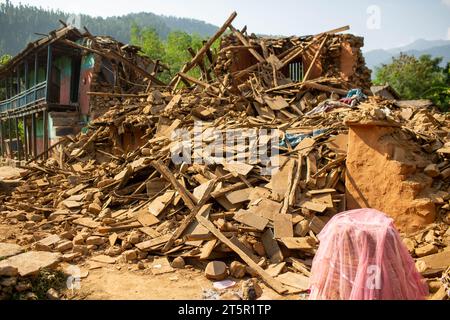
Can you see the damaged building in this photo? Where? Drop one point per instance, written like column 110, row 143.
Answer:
column 46, row 90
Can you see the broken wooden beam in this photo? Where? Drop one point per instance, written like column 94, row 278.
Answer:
column 269, row 280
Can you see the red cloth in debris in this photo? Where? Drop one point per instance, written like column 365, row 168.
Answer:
column 362, row 257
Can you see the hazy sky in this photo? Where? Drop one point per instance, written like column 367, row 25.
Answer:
column 383, row 23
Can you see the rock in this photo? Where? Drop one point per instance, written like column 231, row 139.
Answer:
column 9, row 249
column 104, row 259
column 78, row 239
column 91, row 247
column 130, row 255
column 52, row 294
column 80, row 249
column 410, row 244
column 68, row 257
column 29, row 225
column 30, row 296
column 8, row 271
column 251, row 290
column 178, row 263
column 66, row 235
column 432, row 170
column 259, row 249
column 426, row 250
column 114, row 251
column 41, row 247
column 23, row 286
column 237, row 269
column 141, row 265
column 29, row 263
column 134, row 237
column 421, row 266
column 64, row 246
column 8, row 282
column 34, row 217
column 216, row 270
column 18, row 215
column 126, row 245
column 95, row 240
column 94, row 208
column 230, row 296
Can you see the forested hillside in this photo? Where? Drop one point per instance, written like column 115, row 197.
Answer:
column 18, row 25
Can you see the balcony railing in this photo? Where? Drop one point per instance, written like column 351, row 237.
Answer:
column 25, row 98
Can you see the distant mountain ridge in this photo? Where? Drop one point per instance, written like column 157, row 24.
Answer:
column 18, row 25
column 435, row 48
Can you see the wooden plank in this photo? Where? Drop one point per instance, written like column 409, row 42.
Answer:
column 322, row 87
column 279, row 179
column 158, row 205
column 299, row 265
column 294, row 280
column 283, row 227
column 266, row 208
column 319, row 50
column 238, row 168
column 146, row 219
column 313, row 206
column 251, row 219
column 239, row 196
column 321, row 191
column 204, row 49
column 305, row 243
column 296, row 182
column 197, row 210
column 271, row 247
column 316, row 225
column 208, row 249
column 238, row 243
column 147, row 245
column 244, row 41
column 184, row 193
column 228, row 189
column 270, row 281
column 198, row 82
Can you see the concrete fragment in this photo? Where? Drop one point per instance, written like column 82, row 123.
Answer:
column 426, row 250
column 31, row 262
column 9, row 249
column 237, row 270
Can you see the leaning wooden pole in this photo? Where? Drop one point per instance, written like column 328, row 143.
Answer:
column 203, row 50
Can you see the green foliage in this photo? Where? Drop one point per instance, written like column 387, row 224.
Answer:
column 148, row 39
column 4, row 59
column 417, row 78
column 173, row 52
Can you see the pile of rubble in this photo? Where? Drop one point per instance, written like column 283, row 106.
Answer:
column 149, row 179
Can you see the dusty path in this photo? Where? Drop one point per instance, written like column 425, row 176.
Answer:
column 108, row 283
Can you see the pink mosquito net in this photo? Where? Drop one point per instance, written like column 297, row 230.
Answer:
column 362, row 257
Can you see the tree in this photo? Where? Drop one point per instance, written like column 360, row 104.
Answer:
column 417, row 78
column 148, row 39
column 4, row 59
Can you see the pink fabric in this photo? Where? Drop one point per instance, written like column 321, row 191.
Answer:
column 362, row 257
